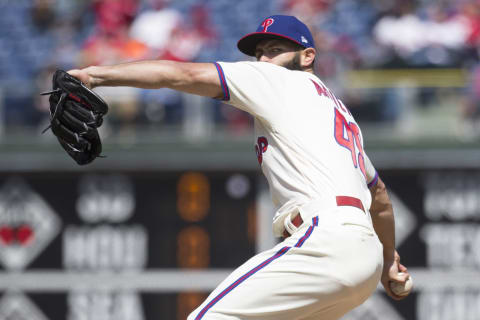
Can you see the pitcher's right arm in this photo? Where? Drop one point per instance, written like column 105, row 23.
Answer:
column 381, row 211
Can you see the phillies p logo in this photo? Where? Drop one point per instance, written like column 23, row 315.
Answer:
column 267, row 23
column 260, row 148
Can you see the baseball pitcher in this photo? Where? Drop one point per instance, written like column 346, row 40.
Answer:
column 333, row 210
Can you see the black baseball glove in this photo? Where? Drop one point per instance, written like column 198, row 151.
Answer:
column 75, row 114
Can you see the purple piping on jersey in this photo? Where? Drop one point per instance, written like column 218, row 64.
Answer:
column 374, row 181
column 277, row 255
column 308, row 233
column 223, row 82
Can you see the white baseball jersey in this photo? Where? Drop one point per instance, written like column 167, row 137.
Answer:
column 311, row 152
column 308, row 144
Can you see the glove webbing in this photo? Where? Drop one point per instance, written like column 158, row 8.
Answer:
column 58, row 106
column 59, row 109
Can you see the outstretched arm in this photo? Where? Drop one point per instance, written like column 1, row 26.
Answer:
column 381, row 211
column 195, row 78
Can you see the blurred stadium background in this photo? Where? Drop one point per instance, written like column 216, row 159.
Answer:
column 179, row 201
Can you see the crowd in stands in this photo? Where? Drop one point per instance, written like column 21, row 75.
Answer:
column 39, row 36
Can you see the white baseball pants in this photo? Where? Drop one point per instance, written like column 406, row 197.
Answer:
column 329, row 266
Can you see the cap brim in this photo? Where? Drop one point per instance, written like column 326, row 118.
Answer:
column 248, row 43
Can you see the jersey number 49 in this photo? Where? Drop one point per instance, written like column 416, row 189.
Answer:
column 350, row 140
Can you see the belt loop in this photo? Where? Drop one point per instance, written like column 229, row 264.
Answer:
column 292, row 225
column 289, row 226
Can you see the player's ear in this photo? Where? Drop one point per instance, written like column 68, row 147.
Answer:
column 307, row 58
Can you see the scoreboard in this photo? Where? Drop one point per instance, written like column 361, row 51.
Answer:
column 98, row 245
column 151, row 244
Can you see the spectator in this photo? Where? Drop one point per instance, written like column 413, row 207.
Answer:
column 111, row 43
column 114, row 15
column 171, row 36
column 471, row 12
column 434, row 40
column 401, row 29
column 154, row 27
column 43, row 15
column 309, row 11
